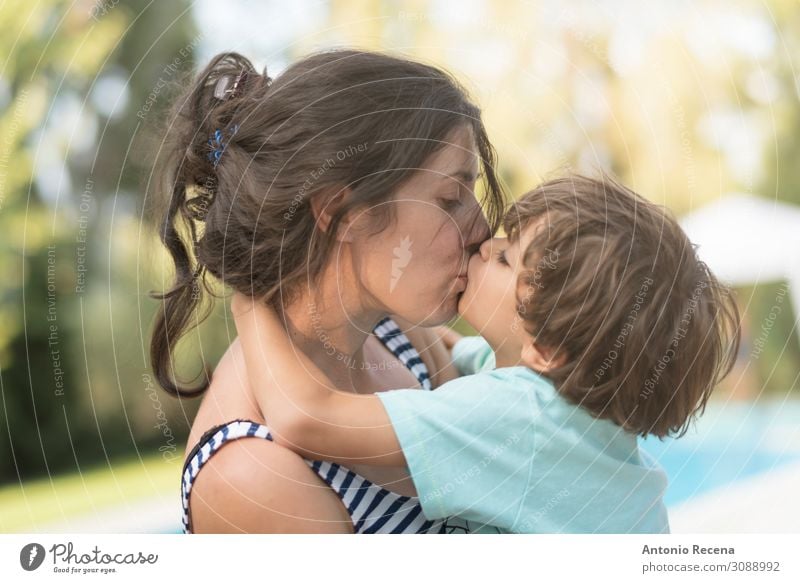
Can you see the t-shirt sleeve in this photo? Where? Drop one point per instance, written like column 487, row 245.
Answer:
column 472, row 354
column 469, row 446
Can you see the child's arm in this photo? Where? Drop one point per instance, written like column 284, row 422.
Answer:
column 305, row 412
column 467, row 445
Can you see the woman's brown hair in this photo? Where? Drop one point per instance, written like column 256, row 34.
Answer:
column 614, row 285
column 339, row 119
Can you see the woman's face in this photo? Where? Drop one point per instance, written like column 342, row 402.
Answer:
column 417, row 267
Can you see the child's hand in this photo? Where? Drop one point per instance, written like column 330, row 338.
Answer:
column 448, row 336
column 242, row 305
column 245, row 307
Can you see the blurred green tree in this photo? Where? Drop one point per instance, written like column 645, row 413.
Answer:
column 74, row 76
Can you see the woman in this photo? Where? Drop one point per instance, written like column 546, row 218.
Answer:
column 339, row 193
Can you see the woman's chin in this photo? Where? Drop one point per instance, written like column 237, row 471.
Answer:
column 464, row 305
column 450, row 308
column 444, row 312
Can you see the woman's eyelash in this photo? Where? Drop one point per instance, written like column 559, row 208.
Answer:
column 501, row 257
column 450, row 203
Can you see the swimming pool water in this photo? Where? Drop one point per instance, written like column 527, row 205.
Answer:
column 730, row 442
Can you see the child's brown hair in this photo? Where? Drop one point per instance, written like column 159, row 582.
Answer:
column 612, row 283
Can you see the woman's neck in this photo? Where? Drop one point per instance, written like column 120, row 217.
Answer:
column 331, row 329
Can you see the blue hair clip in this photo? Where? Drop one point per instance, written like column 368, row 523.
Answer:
column 218, row 144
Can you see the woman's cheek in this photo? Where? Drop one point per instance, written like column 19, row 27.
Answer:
column 383, row 271
column 451, row 247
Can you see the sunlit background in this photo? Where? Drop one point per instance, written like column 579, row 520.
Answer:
column 693, row 104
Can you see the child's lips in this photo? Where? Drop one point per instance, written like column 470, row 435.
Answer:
column 466, row 275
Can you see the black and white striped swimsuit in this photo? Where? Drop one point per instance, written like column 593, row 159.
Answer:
column 373, row 509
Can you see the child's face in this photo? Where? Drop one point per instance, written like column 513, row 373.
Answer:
column 489, row 304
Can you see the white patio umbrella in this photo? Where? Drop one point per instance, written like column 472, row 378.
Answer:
column 747, row 240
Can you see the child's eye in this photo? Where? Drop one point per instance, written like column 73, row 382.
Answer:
column 501, row 257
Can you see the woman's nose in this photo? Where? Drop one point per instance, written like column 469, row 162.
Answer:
column 477, row 231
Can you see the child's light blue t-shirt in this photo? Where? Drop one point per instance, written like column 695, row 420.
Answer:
column 503, row 448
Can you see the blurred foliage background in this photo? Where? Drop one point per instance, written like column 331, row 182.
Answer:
column 686, row 101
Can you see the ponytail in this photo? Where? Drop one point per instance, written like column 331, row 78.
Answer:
column 180, row 304
column 194, row 144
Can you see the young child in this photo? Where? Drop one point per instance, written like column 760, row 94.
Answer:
column 598, row 323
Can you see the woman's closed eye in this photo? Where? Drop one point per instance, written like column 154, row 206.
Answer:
column 449, row 203
column 501, row 257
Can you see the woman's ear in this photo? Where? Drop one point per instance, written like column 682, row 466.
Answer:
column 325, row 204
column 541, row 359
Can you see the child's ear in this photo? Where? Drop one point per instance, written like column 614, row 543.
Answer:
column 540, row 358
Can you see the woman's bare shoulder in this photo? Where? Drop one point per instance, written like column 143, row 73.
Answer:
column 252, row 485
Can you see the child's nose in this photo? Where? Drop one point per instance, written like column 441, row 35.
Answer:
column 486, row 249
